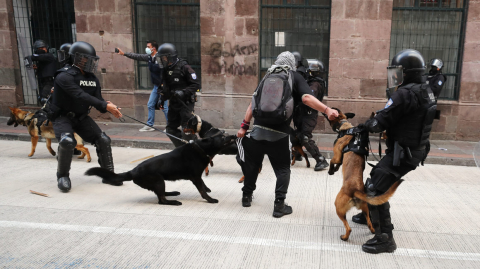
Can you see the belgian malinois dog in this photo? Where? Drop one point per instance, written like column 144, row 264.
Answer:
column 27, row 119
column 352, row 192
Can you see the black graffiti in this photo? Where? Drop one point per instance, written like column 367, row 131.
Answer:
column 216, row 50
column 235, row 69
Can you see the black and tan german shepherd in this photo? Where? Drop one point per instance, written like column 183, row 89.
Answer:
column 37, row 129
column 185, row 162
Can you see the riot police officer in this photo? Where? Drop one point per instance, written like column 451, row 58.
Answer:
column 300, row 64
column 407, row 118
column 76, row 90
column 305, row 118
column 46, row 67
column 63, row 56
column 180, row 84
column 435, row 78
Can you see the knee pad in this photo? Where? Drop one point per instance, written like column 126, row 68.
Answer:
column 67, row 141
column 381, row 180
column 103, row 140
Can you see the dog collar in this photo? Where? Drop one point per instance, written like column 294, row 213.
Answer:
column 336, row 127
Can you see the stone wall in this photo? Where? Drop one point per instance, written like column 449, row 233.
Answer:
column 10, row 79
column 229, row 49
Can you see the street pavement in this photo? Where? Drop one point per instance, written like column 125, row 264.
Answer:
column 436, row 213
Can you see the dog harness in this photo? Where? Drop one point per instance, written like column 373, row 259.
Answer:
column 359, row 143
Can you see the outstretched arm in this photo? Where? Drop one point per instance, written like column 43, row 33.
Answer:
column 314, row 103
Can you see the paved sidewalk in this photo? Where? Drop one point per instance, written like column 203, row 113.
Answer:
column 436, row 213
column 127, row 135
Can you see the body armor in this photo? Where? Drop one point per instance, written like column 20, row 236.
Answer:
column 174, row 77
column 413, row 130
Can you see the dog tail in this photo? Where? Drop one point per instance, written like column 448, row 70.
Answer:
column 109, row 175
column 381, row 199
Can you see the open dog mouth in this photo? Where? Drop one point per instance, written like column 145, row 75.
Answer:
column 188, row 131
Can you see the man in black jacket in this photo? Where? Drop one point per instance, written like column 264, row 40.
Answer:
column 76, row 90
column 180, row 85
column 407, row 118
column 46, row 65
column 273, row 139
column 156, row 76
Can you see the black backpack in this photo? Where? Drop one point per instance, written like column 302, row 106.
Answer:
column 272, row 101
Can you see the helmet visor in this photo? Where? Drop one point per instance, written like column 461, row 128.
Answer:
column 62, row 56
column 158, row 60
column 437, row 63
column 86, row 62
column 394, row 76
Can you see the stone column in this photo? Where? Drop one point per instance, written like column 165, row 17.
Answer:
column 359, row 54
column 229, row 49
column 107, row 24
column 10, row 79
column 468, row 123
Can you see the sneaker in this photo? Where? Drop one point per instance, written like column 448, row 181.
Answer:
column 146, row 129
column 281, row 209
column 247, row 200
column 321, row 165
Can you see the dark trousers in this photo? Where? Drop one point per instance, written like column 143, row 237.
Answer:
column 278, row 153
column 45, row 88
column 305, row 124
column 86, row 128
column 178, row 114
column 384, row 174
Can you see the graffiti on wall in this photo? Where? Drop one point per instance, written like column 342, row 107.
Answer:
column 220, row 66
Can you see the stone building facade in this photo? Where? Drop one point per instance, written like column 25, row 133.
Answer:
column 360, row 32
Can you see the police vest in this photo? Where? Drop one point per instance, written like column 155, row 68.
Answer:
column 413, row 130
column 174, row 77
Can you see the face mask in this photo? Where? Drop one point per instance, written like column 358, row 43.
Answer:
column 148, row 51
column 39, row 51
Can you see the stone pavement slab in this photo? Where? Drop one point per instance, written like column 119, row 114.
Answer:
column 436, row 213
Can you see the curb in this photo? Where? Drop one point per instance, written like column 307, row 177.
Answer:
column 167, row 145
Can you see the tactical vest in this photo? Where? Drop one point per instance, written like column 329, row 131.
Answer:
column 413, row 130
column 359, row 142
column 174, row 77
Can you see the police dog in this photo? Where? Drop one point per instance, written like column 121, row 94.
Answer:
column 37, row 129
column 185, row 162
column 195, row 125
column 352, row 192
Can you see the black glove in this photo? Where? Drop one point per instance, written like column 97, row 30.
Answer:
column 159, row 104
column 179, row 94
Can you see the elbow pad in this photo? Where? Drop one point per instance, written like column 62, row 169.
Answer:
column 373, row 126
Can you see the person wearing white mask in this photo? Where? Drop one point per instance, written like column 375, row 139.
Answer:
column 156, row 75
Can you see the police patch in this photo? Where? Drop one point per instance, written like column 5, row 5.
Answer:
column 440, row 82
column 389, row 103
column 194, row 76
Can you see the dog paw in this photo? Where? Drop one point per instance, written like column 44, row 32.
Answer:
column 89, row 160
column 343, row 237
column 207, row 189
column 176, row 203
column 213, row 201
column 30, row 155
column 53, row 153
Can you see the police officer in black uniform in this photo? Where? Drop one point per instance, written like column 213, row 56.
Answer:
column 76, row 90
column 46, row 67
column 407, row 118
column 435, row 78
column 301, row 64
column 180, row 84
column 63, row 56
column 305, row 118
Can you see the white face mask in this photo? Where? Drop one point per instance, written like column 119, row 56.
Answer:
column 148, row 51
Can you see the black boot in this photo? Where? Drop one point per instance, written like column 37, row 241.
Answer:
column 65, row 152
column 281, row 209
column 105, row 158
column 359, row 218
column 380, row 244
column 246, row 200
column 321, row 164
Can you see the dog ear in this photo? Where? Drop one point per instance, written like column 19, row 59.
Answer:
column 349, row 115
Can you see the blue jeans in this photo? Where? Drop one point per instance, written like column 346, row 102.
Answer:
column 152, row 101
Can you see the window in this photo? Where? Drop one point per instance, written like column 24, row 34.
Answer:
column 436, row 28
column 167, row 21
column 294, row 25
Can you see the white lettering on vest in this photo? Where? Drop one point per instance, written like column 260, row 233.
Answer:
column 88, row 83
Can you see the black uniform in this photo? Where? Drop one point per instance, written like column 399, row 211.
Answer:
column 305, row 118
column 46, row 68
column 407, row 118
column 180, row 84
column 436, row 83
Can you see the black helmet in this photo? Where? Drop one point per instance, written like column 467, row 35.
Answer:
column 409, row 62
column 315, row 65
column 84, row 56
column 39, row 44
column 298, row 58
column 167, row 54
column 62, row 53
column 436, row 66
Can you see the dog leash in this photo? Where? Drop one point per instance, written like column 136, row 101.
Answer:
column 123, row 120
